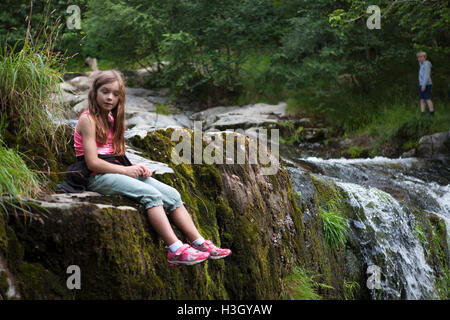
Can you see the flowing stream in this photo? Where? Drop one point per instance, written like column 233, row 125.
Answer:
column 383, row 193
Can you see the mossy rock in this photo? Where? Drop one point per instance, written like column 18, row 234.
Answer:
column 339, row 266
column 121, row 257
column 432, row 235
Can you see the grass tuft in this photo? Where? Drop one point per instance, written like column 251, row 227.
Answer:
column 28, row 82
column 334, row 228
column 301, row 285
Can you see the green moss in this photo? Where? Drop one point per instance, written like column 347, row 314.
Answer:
column 289, row 133
column 356, row 152
column 432, row 235
column 166, row 109
column 420, row 233
column 36, row 282
column 15, row 251
column 333, row 266
column 326, row 191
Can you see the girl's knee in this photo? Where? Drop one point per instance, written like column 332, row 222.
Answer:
column 174, row 200
column 174, row 194
column 155, row 199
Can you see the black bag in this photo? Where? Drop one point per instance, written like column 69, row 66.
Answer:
column 78, row 176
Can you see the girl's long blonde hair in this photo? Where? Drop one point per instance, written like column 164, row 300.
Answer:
column 101, row 124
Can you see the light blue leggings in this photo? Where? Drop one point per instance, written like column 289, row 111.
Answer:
column 147, row 191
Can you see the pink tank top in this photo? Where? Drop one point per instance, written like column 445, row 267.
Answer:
column 107, row 148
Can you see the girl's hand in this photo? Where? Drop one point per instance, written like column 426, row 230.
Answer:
column 142, row 171
column 147, row 173
column 133, row 171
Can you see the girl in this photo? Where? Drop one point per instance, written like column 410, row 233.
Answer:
column 99, row 132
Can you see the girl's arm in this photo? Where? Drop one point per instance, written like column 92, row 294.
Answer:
column 86, row 127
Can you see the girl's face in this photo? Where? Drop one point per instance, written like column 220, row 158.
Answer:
column 108, row 96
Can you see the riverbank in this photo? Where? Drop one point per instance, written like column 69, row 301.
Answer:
column 351, row 123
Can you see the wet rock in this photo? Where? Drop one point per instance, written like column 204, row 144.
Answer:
column 409, row 154
column 434, row 146
column 81, row 83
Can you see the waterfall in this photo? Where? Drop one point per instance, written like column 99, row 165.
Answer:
column 388, row 241
column 382, row 193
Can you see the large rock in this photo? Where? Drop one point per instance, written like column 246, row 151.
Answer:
column 434, row 146
column 253, row 115
column 121, row 257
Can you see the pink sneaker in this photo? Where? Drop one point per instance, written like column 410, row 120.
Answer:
column 186, row 255
column 215, row 252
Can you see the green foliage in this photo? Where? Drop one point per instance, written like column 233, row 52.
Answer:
column 350, row 290
column 256, row 85
column 293, row 134
column 390, row 115
column 203, row 41
column 444, row 284
column 136, row 25
column 16, row 181
column 15, row 177
column 334, row 228
column 420, row 233
column 355, row 152
column 358, row 78
column 401, row 122
column 28, row 81
column 301, row 285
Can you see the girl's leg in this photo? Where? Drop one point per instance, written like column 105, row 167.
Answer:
column 153, row 201
column 158, row 219
column 148, row 196
column 182, row 219
column 174, row 205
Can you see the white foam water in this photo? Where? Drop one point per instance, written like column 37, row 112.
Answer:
column 386, row 228
column 394, row 246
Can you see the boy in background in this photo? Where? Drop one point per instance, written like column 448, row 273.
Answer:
column 425, row 83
